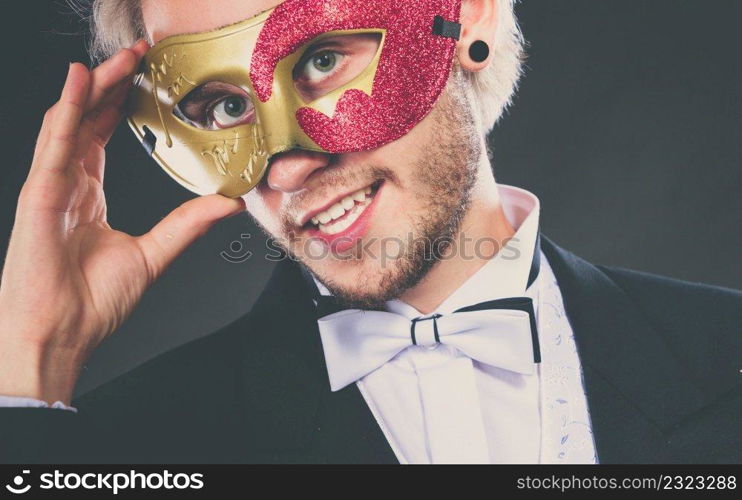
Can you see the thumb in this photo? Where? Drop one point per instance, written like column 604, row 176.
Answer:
column 184, row 225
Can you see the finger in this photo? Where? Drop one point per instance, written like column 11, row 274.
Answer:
column 172, row 235
column 117, row 97
column 105, row 126
column 106, row 123
column 44, row 130
column 64, row 124
column 119, row 91
column 108, row 75
column 118, row 94
column 107, row 116
column 111, row 107
column 140, row 48
column 85, row 138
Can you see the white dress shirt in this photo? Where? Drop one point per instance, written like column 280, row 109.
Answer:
column 434, row 404
column 23, row 402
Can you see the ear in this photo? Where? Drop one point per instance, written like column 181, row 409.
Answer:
column 479, row 20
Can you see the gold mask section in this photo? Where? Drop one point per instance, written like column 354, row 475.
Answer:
column 227, row 161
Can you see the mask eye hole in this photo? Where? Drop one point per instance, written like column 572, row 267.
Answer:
column 332, row 62
column 216, row 106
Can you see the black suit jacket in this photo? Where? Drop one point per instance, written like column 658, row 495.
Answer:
column 661, row 362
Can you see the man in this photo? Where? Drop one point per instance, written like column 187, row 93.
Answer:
column 471, row 338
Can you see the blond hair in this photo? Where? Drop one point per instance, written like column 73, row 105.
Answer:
column 118, row 23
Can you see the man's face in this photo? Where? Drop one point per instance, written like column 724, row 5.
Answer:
column 363, row 222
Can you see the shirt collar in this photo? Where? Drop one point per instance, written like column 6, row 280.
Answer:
column 506, row 274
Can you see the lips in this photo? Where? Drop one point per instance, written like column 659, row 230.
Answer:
column 307, row 219
column 345, row 221
column 343, row 213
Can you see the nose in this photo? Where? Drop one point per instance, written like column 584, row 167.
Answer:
column 289, row 171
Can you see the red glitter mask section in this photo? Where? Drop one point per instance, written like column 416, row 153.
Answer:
column 413, row 67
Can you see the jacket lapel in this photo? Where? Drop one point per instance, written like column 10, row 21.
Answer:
column 293, row 414
column 636, row 388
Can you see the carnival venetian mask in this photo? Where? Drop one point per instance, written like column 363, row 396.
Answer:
column 212, row 108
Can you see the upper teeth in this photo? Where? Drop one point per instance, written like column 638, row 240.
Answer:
column 341, row 207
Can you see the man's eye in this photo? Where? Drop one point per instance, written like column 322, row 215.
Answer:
column 321, row 64
column 332, row 62
column 230, row 111
column 214, row 106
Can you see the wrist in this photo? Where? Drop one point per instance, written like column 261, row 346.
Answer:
column 37, row 371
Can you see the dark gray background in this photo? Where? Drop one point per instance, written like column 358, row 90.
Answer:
column 627, row 126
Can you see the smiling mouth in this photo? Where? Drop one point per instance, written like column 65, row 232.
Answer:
column 345, row 212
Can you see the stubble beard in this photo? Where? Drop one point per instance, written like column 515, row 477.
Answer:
column 446, row 174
